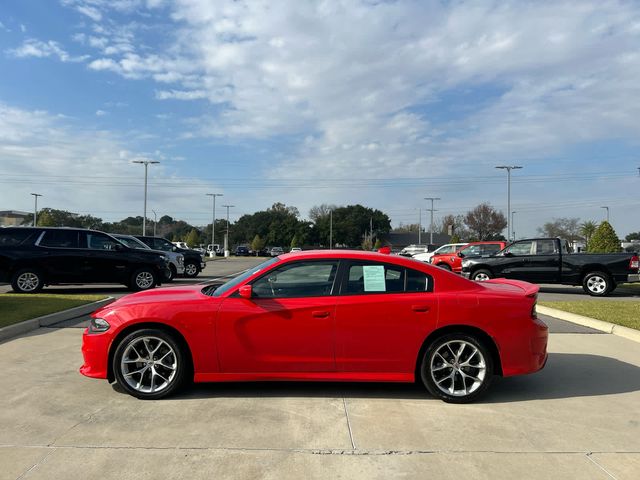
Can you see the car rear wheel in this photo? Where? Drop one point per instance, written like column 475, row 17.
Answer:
column 27, row 280
column 457, row 368
column 444, row 266
column 597, row 284
column 142, row 279
column 149, row 364
column 481, row 275
column 191, row 269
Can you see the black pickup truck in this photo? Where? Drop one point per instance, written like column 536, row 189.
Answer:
column 32, row 257
column 549, row 260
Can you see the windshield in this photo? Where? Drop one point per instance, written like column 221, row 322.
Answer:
column 133, row 243
column 242, row 277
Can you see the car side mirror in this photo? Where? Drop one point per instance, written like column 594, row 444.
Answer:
column 508, row 254
column 174, row 249
column 460, row 254
column 118, row 248
column 245, row 291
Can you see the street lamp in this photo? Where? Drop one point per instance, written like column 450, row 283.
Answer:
column 213, row 222
column 146, row 164
column 419, row 226
column 35, row 209
column 508, row 168
column 226, row 236
column 330, row 229
column 513, row 228
column 155, row 222
column 432, row 210
column 607, row 209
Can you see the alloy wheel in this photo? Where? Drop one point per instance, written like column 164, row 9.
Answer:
column 28, row 281
column 458, row 368
column 481, row 277
column 190, row 269
column 144, row 280
column 149, row 364
column 596, row 284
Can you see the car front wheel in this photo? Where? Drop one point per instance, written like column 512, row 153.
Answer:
column 191, row 269
column 149, row 364
column 457, row 368
column 142, row 279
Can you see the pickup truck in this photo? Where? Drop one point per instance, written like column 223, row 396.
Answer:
column 549, row 260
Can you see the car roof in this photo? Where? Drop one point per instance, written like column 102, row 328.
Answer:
column 351, row 254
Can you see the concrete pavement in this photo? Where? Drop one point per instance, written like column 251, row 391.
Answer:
column 578, row 418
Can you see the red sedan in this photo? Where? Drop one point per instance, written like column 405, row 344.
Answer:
column 325, row 316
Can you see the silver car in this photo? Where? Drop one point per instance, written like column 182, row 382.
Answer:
column 176, row 265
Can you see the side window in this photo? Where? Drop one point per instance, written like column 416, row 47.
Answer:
column 448, row 249
column 520, row 248
column 418, row 281
column 12, row 238
column 490, row 249
column 60, row 239
column 472, row 250
column 299, row 279
column 545, row 247
column 100, row 241
column 160, row 244
column 375, row 278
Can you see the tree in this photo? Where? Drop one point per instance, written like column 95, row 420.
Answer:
column 295, row 242
column 321, row 211
column 485, row 223
column 193, row 238
column 257, row 244
column 407, row 228
column 457, row 222
column 632, row 236
column 604, row 240
column 587, row 229
column 378, row 244
column 366, row 244
column 567, row 228
column 350, row 223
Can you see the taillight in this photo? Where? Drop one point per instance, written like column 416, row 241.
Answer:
column 534, row 313
column 634, row 263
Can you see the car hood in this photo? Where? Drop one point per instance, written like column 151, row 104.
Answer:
column 510, row 287
column 188, row 293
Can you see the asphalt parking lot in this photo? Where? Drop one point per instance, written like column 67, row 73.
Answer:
column 578, row 418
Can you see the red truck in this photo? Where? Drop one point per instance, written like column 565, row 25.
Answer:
column 453, row 261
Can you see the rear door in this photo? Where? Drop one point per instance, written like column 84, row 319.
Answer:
column 543, row 266
column 383, row 314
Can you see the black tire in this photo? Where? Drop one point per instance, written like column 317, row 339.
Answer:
column 166, row 380
column 143, row 279
column 598, row 284
column 27, row 280
column 191, row 269
column 173, row 273
column 481, row 275
column 469, row 381
column 444, row 266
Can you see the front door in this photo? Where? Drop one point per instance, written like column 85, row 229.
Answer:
column 286, row 327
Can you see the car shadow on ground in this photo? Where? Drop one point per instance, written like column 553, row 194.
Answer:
column 566, row 375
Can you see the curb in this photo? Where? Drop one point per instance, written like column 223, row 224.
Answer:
column 619, row 330
column 12, row 331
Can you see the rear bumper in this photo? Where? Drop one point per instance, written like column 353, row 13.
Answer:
column 527, row 350
column 633, row 278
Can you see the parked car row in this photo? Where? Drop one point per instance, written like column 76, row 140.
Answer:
column 34, row 257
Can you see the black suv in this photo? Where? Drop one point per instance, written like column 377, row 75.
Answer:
column 32, row 257
column 193, row 260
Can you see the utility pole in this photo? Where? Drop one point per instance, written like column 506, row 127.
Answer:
column 508, row 168
column 226, row 236
column 607, row 209
column 155, row 222
column 513, row 228
column 35, row 209
column 419, row 226
column 146, row 164
column 432, row 210
column 213, row 222
column 331, row 229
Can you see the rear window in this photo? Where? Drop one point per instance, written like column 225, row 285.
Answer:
column 11, row 238
column 60, row 239
column 364, row 278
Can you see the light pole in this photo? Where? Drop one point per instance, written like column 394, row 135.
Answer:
column 330, row 229
column 419, row 226
column 213, row 222
column 431, row 224
column 508, row 168
column 226, row 236
column 607, row 209
column 513, row 229
column 35, row 208
column 146, row 164
column 155, row 222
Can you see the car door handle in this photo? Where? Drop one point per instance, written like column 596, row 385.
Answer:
column 320, row 314
column 420, row 308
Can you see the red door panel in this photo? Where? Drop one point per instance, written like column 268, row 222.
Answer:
column 276, row 335
column 383, row 332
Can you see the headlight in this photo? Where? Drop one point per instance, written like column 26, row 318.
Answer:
column 98, row 325
column 465, row 263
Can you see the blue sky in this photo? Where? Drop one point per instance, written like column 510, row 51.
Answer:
column 379, row 103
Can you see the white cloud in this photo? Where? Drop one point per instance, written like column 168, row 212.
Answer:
column 101, row 113
column 39, row 49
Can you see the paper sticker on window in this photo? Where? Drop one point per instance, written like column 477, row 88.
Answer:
column 373, row 278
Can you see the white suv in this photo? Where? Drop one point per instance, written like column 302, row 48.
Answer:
column 448, row 248
column 176, row 260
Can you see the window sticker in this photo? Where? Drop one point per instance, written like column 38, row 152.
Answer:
column 373, row 278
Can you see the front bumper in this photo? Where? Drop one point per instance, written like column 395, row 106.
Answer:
column 95, row 352
column 202, row 265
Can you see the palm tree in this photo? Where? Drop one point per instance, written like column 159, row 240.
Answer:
column 587, row 229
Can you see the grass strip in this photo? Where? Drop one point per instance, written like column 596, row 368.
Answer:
column 625, row 313
column 16, row 308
